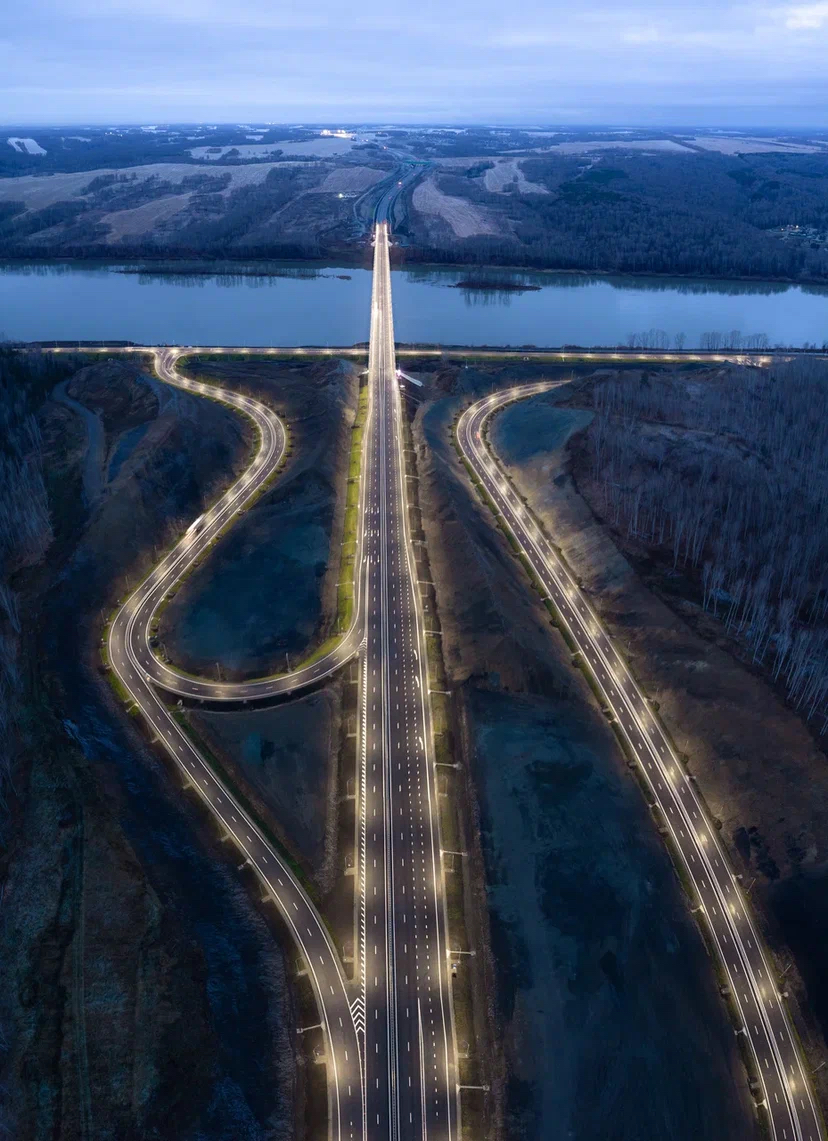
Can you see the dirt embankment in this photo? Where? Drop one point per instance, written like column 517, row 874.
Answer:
column 761, row 772
column 604, row 1008
column 141, row 995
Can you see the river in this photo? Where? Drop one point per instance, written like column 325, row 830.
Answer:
column 330, row 306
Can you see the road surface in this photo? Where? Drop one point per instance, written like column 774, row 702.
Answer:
column 389, row 1037
column 755, row 993
column 410, row 1074
column 131, row 631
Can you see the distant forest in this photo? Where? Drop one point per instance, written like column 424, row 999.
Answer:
column 697, row 213
column 702, row 214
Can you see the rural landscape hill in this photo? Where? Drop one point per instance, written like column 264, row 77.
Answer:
column 718, row 204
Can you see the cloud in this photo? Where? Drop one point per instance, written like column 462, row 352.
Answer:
column 648, row 35
column 464, row 61
column 806, row 16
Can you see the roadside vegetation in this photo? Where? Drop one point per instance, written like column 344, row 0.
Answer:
column 345, row 595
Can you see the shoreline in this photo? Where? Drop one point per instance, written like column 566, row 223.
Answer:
column 207, row 267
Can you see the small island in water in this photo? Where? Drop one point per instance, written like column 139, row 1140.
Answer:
column 485, row 283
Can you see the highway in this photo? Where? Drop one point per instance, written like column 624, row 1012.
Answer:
column 389, row 1037
column 410, row 1073
column 754, row 989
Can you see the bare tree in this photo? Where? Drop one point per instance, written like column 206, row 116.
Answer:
column 729, row 477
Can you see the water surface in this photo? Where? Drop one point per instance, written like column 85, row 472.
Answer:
column 330, row 306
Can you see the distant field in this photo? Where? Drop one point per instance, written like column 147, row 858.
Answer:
column 462, row 218
column 677, row 202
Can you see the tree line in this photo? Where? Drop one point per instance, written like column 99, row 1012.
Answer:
column 734, row 340
column 728, row 477
column 701, row 214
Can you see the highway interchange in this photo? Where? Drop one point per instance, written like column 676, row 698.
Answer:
column 132, row 630
column 389, row 1036
column 389, row 1041
column 130, row 657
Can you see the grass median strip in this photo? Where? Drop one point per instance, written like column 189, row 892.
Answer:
column 346, row 589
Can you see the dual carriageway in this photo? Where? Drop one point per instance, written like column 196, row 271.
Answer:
column 389, row 1041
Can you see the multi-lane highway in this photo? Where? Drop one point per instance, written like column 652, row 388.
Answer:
column 410, row 1072
column 389, row 1037
column 754, row 989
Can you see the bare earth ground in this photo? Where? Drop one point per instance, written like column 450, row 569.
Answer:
column 144, row 219
column 757, row 765
column 285, row 757
column 606, row 1017
column 141, row 994
column 464, row 218
column 507, row 172
column 351, row 179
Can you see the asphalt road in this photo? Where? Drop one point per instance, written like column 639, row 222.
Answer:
column 410, row 1071
column 786, row 1095
column 338, row 1001
column 196, row 542
column 389, row 1038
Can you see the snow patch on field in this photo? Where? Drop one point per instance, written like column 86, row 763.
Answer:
column 463, row 217
column 650, row 145
column 749, row 145
column 508, row 171
column 351, row 179
column 246, row 150
column 26, row 146
column 317, row 148
column 321, row 147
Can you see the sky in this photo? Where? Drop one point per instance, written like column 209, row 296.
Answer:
column 656, row 62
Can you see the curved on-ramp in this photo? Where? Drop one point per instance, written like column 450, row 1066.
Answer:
column 133, row 623
column 140, row 674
